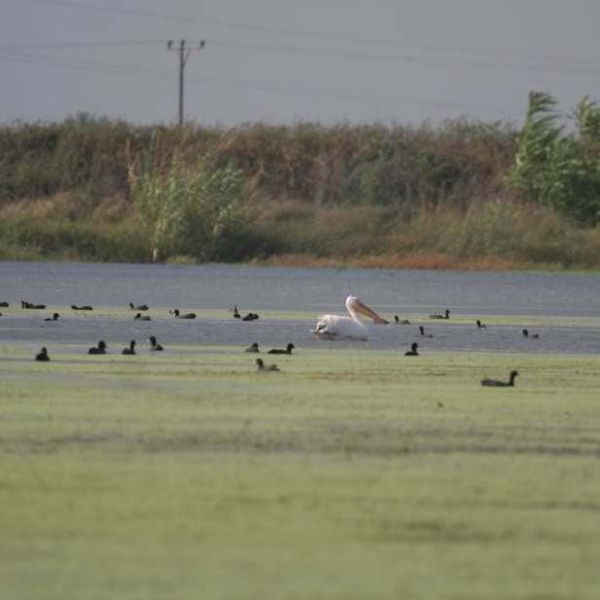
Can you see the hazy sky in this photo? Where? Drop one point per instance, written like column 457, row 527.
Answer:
column 281, row 61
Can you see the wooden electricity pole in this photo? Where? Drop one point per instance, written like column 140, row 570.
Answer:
column 184, row 54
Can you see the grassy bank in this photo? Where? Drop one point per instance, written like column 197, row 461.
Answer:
column 494, row 236
column 350, row 474
column 353, row 195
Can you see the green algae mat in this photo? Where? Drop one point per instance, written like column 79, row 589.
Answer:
column 350, row 474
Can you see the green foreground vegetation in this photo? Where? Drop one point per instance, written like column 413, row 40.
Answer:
column 350, row 474
column 459, row 195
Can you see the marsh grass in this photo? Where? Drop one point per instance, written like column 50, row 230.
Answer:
column 412, row 197
column 350, row 474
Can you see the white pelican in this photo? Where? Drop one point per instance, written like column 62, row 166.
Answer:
column 336, row 327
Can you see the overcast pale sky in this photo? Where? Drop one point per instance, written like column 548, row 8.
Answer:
column 282, row 61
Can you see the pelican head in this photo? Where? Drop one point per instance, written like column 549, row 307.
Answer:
column 354, row 306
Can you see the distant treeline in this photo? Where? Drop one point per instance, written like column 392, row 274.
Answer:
column 98, row 189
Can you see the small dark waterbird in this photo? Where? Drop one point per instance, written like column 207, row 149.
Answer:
column 154, row 345
column 141, row 317
column 42, row 355
column 399, row 321
column 179, row 315
column 252, row 348
column 446, row 315
column 422, row 332
column 480, row 325
column 413, row 350
column 499, row 382
column 131, row 349
column 287, row 350
column 54, row 317
column 132, row 306
column 30, row 305
column 260, row 365
column 533, row 336
column 250, row 317
column 99, row 349
column 82, row 307
column 4, row 304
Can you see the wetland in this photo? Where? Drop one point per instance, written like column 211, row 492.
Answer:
column 354, row 472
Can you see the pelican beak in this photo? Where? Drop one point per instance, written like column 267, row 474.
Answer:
column 368, row 312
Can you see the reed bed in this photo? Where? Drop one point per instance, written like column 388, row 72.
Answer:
column 346, row 194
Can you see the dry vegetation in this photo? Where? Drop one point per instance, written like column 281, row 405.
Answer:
column 346, row 194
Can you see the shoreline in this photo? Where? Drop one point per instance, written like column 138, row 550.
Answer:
column 424, row 261
column 434, row 262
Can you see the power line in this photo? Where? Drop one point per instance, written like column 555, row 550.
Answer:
column 230, row 82
column 567, row 67
column 411, row 58
column 79, row 44
column 352, row 39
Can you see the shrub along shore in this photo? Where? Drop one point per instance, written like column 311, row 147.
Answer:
column 306, row 194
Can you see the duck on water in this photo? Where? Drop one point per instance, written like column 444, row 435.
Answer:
column 132, row 306
column 413, row 350
column 154, row 345
column 499, row 382
column 42, row 355
column 99, row 349
column 260, row 365
column 287, row 350
column 131, row 349
column 179, row 315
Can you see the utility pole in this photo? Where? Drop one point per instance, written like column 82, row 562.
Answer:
column 184, row 54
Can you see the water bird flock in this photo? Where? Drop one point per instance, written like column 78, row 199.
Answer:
column 101, row 347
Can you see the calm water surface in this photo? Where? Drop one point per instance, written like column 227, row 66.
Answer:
column 407, row 293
